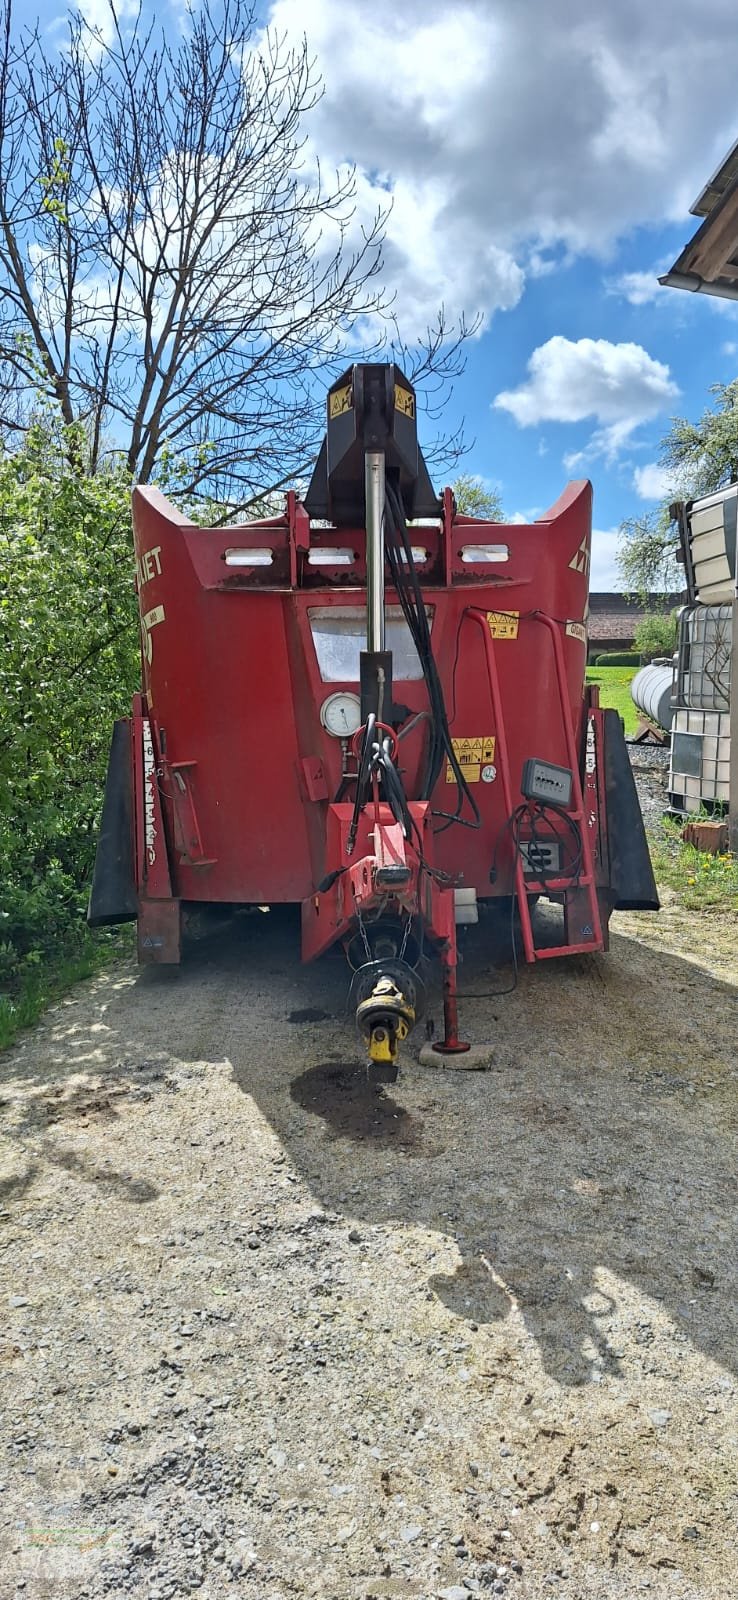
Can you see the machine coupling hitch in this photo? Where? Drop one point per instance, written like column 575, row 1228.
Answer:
column 390, row 1000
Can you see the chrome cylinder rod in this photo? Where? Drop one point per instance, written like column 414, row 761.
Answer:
column 374, row 494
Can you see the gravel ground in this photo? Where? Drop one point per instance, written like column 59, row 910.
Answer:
column 268, row 1334
column 650, row 763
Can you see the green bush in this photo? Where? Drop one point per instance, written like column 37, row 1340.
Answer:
column 656, row 635
column 618, row 658
column 68, row 665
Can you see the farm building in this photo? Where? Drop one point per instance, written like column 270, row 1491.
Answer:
column 614, row 617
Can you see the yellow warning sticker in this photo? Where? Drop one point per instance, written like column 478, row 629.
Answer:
column 503, row 624
column 339, row 401
column 472, row 755
column 404, row 401
column 577, row 630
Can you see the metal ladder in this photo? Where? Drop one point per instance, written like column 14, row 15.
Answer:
column 579, row 898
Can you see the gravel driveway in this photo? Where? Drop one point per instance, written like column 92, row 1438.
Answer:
column 268, row 1334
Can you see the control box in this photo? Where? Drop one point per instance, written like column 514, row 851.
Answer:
column 544, row 782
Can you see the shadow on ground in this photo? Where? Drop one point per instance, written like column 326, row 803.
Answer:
column 602, row 1138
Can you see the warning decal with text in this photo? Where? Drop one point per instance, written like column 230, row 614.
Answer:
column 503, row 624
column 472, row 755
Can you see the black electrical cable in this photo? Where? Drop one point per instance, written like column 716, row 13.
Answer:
column 535, row 814
column 418, row 621
column 440, row 747
column 361, row 780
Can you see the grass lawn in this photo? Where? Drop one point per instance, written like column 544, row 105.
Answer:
column 614, row 685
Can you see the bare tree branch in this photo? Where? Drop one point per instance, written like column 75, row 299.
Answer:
column 176, row 272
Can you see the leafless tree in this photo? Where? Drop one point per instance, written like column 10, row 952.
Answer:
column 176, row 273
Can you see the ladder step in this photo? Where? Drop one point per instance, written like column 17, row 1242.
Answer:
column 590, row 948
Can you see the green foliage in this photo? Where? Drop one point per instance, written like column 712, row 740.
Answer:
column 54, row 975
column 647, row 555
column 700, row 458
column 656, row 635
column 702, row 882
column 474, row 499
column 618, row 658
column 56, row 183
column 68, row 665
column 703, row 456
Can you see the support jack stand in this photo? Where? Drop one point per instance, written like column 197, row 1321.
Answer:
column 452, row 1052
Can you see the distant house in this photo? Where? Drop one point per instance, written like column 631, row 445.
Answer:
column 614, row 617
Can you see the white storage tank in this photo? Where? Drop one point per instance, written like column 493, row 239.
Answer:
column 712, row 524
column 652, row 690
column 699, row 764
column 703, row 658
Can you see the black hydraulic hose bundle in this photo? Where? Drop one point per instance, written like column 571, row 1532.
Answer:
column 440, row 746
column 375, row 761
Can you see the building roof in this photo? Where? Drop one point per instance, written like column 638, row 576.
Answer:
column 616, row 603
column 717, row 185
column 614, row 615
column 613, row 624
column 709, row 263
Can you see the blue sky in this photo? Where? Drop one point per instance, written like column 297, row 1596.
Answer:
column 693, row 337
column 541, row 160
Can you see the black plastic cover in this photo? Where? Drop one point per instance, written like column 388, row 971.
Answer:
column 632, row 883
column 372, row 406
column 113, row 893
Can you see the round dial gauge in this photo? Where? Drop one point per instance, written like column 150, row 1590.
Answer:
column 340, row 714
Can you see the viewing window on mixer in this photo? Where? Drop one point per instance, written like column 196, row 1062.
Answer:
column 339, row 636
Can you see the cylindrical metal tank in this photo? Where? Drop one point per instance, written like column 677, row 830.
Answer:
column 651, row 691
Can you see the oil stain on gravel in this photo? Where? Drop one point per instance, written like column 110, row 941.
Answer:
column 341, row 1094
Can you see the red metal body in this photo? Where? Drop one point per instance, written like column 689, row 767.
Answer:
column 240, row 792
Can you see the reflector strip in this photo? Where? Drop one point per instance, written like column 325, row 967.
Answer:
column 249, row 558
column 326, row 556
column 475, row 554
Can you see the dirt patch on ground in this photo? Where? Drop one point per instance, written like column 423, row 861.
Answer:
column 267, row 1335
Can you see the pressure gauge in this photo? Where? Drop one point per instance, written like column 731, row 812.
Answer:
column 340, row 714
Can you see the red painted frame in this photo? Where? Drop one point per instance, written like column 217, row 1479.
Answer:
column 247, row 777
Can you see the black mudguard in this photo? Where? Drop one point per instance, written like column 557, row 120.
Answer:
column 632, row 883
column 113, row 894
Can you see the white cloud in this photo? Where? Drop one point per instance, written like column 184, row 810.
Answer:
column 501, row 157
column 638, row 288
column 604, row 573
column 425, row 274
column 620, row 385
column 653, row 482
column 729, row 348
column 99, row 17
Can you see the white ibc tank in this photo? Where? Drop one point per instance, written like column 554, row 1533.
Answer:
column 712, row 535
column 651, row 691
column 699, row 770
column 703, row 672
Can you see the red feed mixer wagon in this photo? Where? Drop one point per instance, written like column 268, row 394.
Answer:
column 374, row 707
